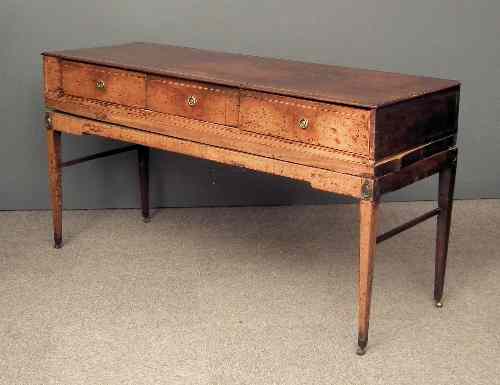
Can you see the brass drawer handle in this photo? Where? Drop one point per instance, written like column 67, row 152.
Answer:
column 100, row 85
column 192, row 100
column 303, row 123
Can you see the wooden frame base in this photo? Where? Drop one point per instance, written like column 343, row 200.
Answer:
column 367, row 240
column 445, row 201
column 445, row 164
column 55, row 176
column 143, row 161
column 367, row 189
column 55, row 182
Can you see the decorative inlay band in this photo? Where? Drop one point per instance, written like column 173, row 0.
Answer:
column 226, row 131
column 306, row 106
column 187, row 85
column 113, row 72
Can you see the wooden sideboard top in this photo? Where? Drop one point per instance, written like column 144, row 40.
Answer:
column 327, row 83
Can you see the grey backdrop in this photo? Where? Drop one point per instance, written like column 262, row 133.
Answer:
column 455, row 39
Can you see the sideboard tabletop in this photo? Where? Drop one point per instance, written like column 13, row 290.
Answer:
column 327, row 83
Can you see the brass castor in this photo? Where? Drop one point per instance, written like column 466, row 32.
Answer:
column 146, row 219
column 361, row 351
column 57, row 245
column 439, row 304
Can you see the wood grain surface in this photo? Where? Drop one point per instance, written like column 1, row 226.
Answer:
column 320, row 179
column 122, row 87
column 329, row 125
column 214, row 134
column 214, row 104
column 321, row 82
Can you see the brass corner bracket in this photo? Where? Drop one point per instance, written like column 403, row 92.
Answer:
column 48, row 120
column 367, row 190
column 453, row 160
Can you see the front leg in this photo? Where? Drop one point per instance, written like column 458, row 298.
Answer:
column 367, row 241
column 55, row 181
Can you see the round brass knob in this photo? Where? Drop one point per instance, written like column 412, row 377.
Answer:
column 303, row 123
column 192, row 100
column 100, row 85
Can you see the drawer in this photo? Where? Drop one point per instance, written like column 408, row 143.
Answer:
column 103, row 83
column 195, row 100
column 322, row 124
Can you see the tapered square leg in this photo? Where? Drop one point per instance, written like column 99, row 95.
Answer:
column 367, row 241
column 445, row 202
column 55, row 182
column 143, row 157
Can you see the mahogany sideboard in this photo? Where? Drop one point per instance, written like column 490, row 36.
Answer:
column 355, row 132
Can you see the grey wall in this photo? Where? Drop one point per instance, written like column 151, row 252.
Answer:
column 455, row 39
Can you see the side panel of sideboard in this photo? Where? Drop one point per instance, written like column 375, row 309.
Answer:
column 52, row 75
column 402, row 126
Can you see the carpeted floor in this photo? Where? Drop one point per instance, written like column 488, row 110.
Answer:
column 228, row 296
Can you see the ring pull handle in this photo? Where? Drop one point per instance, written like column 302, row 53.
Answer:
column 192, row 100
column 100, row 85
column 304, row 123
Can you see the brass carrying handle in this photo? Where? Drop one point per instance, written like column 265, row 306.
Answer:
column 192, row 100
column 100, row 85
column 303, row 123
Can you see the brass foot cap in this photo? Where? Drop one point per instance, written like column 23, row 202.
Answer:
column 439, row 304
column 146, row 219
column 360, row 351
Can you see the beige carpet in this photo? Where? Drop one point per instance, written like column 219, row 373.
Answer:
column 227, row 296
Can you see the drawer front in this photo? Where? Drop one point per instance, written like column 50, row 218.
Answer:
column 338, row 127
column 193, row 100
column 103, row 83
